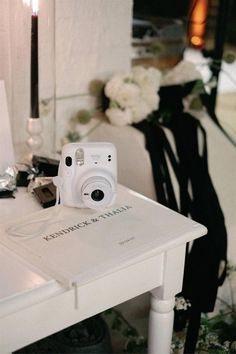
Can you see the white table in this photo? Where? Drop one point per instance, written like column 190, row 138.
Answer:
column 33, row 305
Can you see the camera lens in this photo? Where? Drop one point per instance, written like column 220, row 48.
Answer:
column 97, row 195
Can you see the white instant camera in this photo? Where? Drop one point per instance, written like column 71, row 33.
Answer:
column 87, row 175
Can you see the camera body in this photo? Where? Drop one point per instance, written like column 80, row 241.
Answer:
column 88, row 174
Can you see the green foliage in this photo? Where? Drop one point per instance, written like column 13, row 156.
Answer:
column 198, row 88
column 196, row 103
column 225, row 326
column 83, row 116
column 72, row 137
column 217, row 334
column 134, row 342
column 96, row 87
column 229, row 57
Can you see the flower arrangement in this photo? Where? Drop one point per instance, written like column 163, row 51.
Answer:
column 182, row 304
column 132, row 96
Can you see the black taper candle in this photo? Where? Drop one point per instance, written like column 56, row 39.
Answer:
column 34, row 87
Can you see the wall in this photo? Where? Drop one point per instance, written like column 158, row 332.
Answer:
column 5, row 46
column 92, row 41
column 79, row 40
column 15, row 22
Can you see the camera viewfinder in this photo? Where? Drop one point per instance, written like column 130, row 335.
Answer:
column 68, row 161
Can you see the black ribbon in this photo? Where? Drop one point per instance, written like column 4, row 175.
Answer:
column 190, row 165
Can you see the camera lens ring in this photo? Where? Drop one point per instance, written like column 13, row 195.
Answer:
column 97, row 195
column 97, row 183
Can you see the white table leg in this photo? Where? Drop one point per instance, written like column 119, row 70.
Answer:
column 160, row 330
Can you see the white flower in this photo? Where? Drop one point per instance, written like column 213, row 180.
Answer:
column 133, row 96
column 151, row 98
column 140, row 111
column 127, row 95
column 147, row 78
column 181, row 303
column 183, row 72
column 113, row 86
column 119, row 117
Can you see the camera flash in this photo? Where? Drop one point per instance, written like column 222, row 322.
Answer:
column 79, row 156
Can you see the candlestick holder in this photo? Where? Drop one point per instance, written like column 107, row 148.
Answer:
column 34, row 128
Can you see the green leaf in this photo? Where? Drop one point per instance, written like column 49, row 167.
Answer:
column 116, row 325
column 196, row 104
column 229, row 57
column 73, row 137
column 198, row 88
column 83, row 116
column 113, row 104
column 129, row 332
column 96, row 87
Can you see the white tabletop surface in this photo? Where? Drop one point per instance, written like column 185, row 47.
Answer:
column 19, row 277
column 43, row 306
column 80, row 245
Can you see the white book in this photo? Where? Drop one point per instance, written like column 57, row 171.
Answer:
column 79, row 245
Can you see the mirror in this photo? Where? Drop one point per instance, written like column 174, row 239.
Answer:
column 203, row 27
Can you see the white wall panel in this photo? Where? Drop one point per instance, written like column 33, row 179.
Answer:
column 5, row 58
column 92, row 40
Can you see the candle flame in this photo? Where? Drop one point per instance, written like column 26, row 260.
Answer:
column 198, row 23
column 34, row 4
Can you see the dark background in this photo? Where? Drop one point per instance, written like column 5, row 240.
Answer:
column 180, row 9
column 161, row 8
